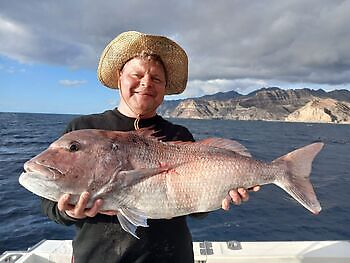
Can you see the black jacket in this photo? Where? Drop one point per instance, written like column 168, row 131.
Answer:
column 101, row 238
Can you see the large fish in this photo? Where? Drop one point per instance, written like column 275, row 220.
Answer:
column 142, row 177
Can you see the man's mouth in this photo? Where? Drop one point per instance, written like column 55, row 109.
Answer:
column 142, row 93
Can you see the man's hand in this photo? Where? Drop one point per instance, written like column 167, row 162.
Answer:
column 79, row 211
column 237, row 196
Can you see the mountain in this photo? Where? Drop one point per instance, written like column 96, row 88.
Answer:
column 220, row 96
column 270, row 103
column 322, row 110
column 341, row 95
column 168, row 106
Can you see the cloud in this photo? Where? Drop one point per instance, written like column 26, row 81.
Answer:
column 10, row 69
column 198, row 88
column 112, row 102
column 69, row 83
column 231, row 41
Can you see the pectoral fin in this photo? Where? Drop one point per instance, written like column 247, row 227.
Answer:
column 126, row 225
column 135, row 217
column 131, row 177
column 131, row 219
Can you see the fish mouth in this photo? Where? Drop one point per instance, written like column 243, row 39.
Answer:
column 48, row 171
column 40, row 185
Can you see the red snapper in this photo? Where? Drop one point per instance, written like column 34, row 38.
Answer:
column 142, row 177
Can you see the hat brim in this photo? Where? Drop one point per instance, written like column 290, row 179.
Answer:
column 131, row 44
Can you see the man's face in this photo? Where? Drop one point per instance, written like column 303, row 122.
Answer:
column 142, row 84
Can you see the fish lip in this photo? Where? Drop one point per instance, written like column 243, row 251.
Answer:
column 43, row 169
column 33, row 174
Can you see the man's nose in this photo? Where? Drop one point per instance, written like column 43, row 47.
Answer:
column 146, row 81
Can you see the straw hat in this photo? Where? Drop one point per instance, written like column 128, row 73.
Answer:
column 130, row 44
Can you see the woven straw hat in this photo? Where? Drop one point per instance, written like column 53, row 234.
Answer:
column 130, row 44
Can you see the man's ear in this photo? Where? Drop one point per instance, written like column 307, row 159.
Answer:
column 119, row 73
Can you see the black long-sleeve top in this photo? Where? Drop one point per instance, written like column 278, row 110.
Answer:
column 101, row 238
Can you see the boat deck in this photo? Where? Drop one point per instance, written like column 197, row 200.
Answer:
column 52, row 251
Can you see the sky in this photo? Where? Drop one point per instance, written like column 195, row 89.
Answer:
column 49, row 50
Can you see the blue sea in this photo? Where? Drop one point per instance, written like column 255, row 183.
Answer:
column 270, row 214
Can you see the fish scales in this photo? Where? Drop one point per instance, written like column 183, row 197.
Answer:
column 201, row 182
column 194, row 185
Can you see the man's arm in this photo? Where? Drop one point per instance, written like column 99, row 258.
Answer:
column 50, row 209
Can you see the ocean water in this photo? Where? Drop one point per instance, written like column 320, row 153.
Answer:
column 269, row 215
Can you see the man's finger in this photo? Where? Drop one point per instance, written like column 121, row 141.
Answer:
column 236, row 198
column 81, row 205
column 63, row 202
column 94, row 209
column 108, row 212
column 225, row 204
column 254, row 188
column 244, row 194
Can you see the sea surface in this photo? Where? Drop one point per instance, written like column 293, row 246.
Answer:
column 269, row 215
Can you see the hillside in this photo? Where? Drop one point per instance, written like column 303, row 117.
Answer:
column 322, row 110
column 265, row 104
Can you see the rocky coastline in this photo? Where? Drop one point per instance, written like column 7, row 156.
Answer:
column 266, row 104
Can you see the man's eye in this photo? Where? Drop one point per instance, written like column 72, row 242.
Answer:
column 74, row 147
column 136, row 75
column 157, row 80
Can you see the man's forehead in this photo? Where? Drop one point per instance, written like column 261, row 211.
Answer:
column 138, row 62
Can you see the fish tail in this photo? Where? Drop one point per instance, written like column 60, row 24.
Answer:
column 296, row 181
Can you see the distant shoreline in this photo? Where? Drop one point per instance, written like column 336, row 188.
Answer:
column 181, row 118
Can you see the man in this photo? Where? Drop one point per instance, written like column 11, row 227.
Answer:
column 144, row 68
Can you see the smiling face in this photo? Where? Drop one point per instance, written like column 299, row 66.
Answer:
column 142, row 87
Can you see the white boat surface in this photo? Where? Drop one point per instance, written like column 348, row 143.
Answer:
column 60, row 251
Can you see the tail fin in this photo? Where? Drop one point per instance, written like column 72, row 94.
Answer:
column 298, row 168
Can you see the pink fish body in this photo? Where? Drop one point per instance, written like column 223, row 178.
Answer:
column 142, row 177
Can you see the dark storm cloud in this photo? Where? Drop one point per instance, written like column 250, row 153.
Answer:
column 295, row 41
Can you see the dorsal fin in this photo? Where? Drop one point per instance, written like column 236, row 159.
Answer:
column 226, row 144
column 149, row 132
column 222, row 143
column 146, row 132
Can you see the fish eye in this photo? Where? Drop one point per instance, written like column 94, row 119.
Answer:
column 74, row 146
column 115, row 146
